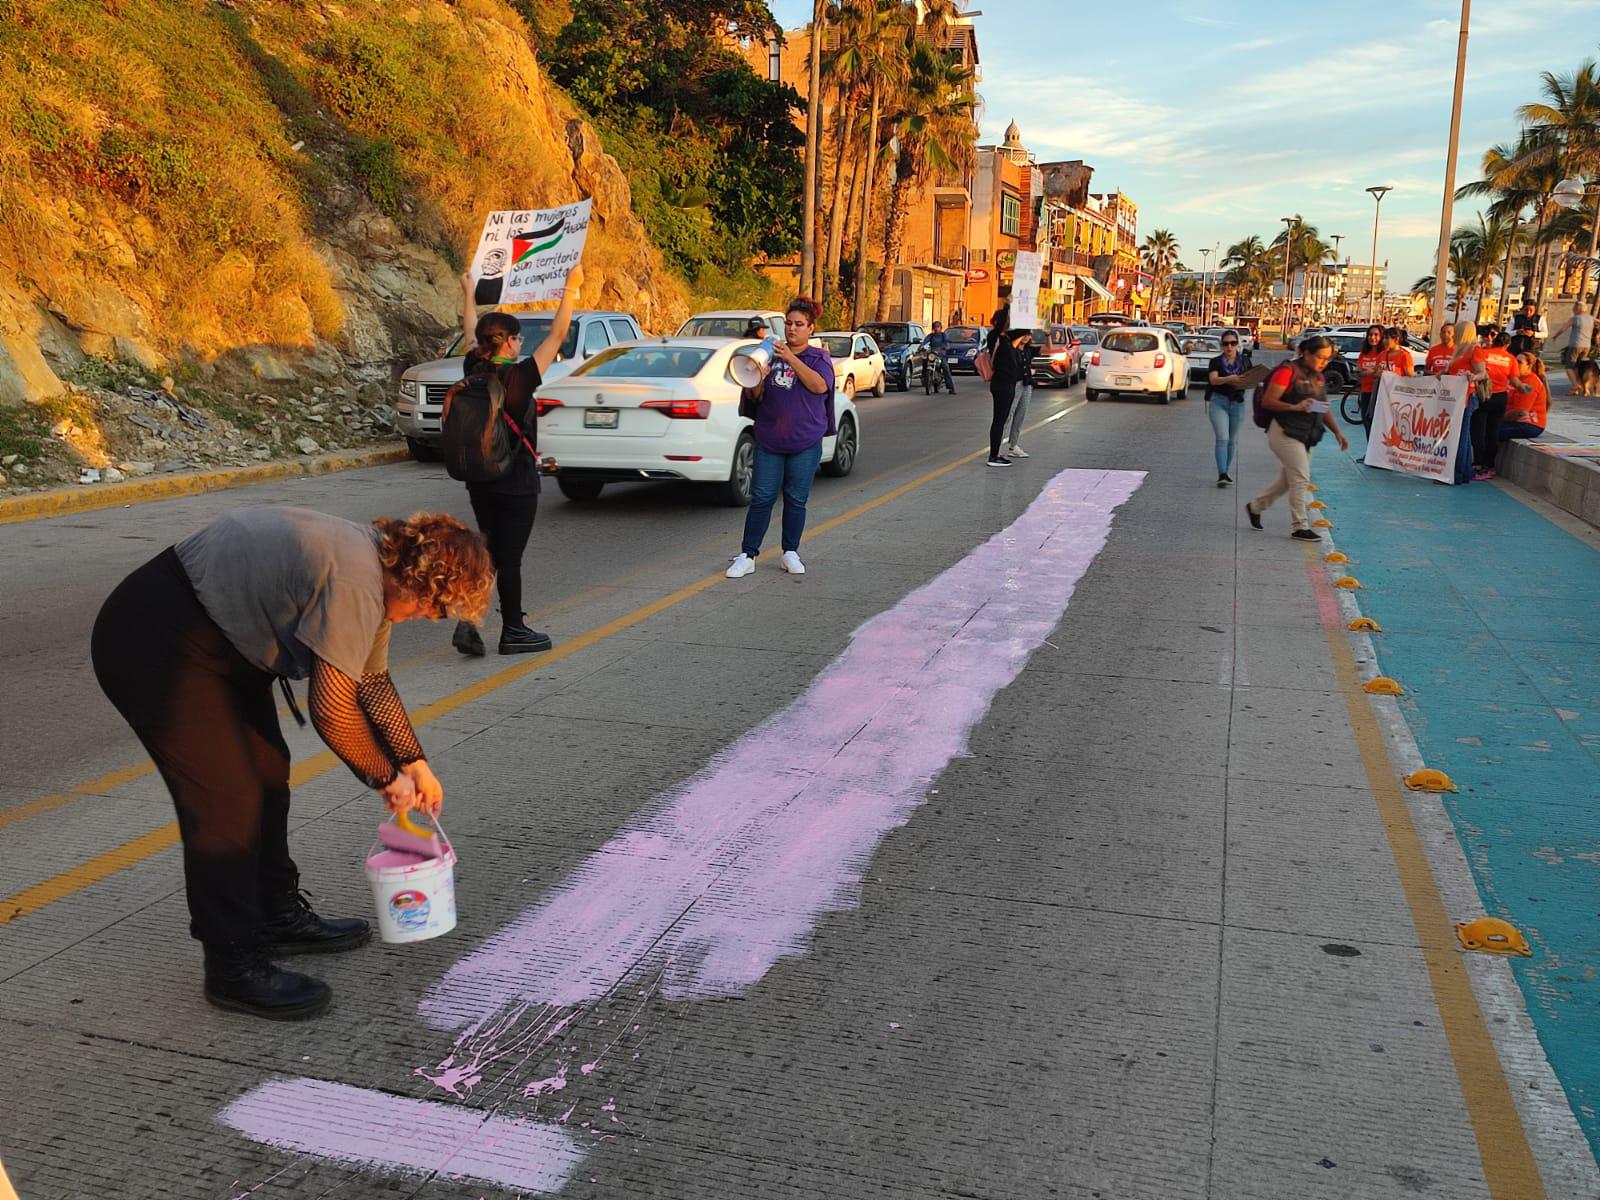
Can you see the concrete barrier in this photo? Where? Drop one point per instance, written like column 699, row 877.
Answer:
column 1571, row 484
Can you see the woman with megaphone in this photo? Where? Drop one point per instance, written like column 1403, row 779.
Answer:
column 792, row 404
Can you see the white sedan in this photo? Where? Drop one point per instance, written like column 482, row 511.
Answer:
column 857, row 362
column 1145, row 359
column 1200, row 350
column 664, row 408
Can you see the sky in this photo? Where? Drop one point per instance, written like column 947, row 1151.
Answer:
column 1220, row 118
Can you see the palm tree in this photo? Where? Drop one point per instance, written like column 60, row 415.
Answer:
column 1570, row 115
column 1249, row 268
column 888, row 28
column 936, row 138
column 808, row 233
column 1159, row 255
column 1305, row 249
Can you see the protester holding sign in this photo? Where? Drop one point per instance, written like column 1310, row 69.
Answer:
column 506, row 503
column 1465, row 364
column 1441, row 352
column 1527, row 411
column 1296, row 400
column 1493, row 356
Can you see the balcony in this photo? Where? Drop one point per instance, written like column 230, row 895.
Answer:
column 951, row 195
column 951, row 262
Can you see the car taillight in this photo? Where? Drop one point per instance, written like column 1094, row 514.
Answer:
column 541, row 405
column 1094, row 359
column 1161, row 360
column 683, row 410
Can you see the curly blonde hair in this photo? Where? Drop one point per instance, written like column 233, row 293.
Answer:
column 439, row 561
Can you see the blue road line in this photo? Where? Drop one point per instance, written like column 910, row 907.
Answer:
column 1491, row 621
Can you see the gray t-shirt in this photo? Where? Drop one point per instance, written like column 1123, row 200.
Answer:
column 1582, row 332
column 287, row 584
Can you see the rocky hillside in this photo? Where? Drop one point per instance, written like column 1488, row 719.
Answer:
column 247, row 209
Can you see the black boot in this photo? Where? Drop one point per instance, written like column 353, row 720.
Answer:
column 517, row 638
column 291, row 927
column 468, row 640
column 241, row 978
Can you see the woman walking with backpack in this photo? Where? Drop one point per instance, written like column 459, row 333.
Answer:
column 1296, row 405
column 492, row 445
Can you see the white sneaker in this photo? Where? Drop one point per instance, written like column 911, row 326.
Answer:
column 1016, row 452
column 791, row 563
column 741, row 566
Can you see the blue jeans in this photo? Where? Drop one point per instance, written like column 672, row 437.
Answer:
column 1225, row 417
column 791, row 473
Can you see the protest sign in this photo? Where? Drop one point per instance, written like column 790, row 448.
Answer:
column 1025, row 290
column 525, row 254
column 1416, row 424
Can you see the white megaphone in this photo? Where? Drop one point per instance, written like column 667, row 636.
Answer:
column 748, row 362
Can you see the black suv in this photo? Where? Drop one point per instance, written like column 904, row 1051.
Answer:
column 903, row 350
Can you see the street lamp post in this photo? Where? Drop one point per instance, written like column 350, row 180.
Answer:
column 1377, row 193
column 1339, row 308
column 1288, row 224
column 1570, row 193
column 1205, row 281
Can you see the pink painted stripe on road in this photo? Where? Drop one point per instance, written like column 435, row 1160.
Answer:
column 730, row 872
column 364, row 1128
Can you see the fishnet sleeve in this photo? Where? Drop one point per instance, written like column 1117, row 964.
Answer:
column 339, row 719
column 387, row 716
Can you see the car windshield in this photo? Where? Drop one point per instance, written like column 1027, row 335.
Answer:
column 1040, row 336
column 1089, row 337
column 535, row 328
column 733, row 327
column 889, row 335
column 837, row 345
column 1131, row 343
column 1205, row 345
column 646, row 362
column 963, row 335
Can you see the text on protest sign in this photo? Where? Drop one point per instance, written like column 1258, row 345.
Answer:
column 1025, row 289
column 525, row 255
column 1416, row 424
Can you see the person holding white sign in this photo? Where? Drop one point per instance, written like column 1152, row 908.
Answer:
column 1296, row 400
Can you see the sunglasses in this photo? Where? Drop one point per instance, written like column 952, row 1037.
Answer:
column 1230, row 341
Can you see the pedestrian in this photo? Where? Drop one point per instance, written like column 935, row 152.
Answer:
column 1003, row 386
column 1580, row 331
column 1527, row 329
column 793, row 411
column 1369, row 365
column 1296, row 399
column 1529, row 407
column 1024, row 392
column 1466, row 364
column 757, row 329
column 1225, row 403
column 1495, row 359
column 1441, row 352
column 505, row 507
column 938, row 342
column 188, row 647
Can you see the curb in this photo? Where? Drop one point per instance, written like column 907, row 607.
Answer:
column 87, row 498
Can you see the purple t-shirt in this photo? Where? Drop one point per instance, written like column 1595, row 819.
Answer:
column 789, row 418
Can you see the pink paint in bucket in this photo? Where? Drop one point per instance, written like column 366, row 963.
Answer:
column 416, row 896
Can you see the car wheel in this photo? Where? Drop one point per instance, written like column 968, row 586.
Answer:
column 580, row 490
column 1090, row 395
column 421, row 451
column 844, row 451
column 741, row 476
column 881, row 386
column 905, row 380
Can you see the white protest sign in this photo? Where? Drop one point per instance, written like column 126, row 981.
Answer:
column 1025, row 289
column 525, row 254
column 1416, row 424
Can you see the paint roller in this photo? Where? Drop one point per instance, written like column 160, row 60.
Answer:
column 406, row 835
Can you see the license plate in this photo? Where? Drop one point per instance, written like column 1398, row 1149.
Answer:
column 600, row 418
column 1123, row 380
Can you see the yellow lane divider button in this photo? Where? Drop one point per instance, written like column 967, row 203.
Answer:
column 1382, row 686
column 1347, row 581
column 1322, row 523
column 1430, row 779
column 1491, row 935
column 1336, row 556
column 1364, row 625
column 1316, row 504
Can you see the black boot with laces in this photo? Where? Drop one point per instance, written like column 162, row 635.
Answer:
column 292, row 927
column 241, row 978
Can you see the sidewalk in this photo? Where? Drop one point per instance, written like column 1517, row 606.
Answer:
column 845, row 886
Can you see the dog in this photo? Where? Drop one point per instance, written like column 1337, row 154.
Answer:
column 1586, row 376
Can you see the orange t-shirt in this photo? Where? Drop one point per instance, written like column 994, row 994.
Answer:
column 1497, row 361
column 1531, row 407
column 1399, row 361
column 1369, row 365
column 1439, row 359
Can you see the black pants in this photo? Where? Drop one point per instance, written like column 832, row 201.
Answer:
column 1485, row 427
column 506, row 523
column 1002, row 410
column 208, row 719
column 1369, row 404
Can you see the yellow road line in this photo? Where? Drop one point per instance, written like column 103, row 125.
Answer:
column 1508, row 1164
column 74, row 879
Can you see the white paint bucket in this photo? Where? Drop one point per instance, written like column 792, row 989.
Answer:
column 416, row 896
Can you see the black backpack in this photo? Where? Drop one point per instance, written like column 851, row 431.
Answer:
column 479, row 437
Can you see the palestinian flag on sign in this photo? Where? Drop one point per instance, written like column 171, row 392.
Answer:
column 525, row 245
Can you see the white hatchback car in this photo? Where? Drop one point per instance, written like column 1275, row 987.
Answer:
column 1200, row 350
column 1146, row 359
column 857, row 361
column 664, row 408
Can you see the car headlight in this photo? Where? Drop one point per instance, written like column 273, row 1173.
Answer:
column 409, row 388
column 972, row 353
column 1059, row 356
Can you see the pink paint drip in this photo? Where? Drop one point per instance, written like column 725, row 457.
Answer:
column 729, row 873
column 375, row 1129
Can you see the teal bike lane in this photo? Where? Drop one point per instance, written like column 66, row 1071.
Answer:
column 1491, row 621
